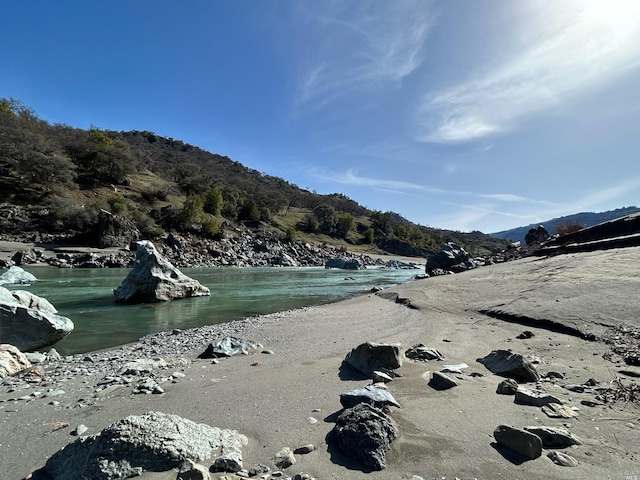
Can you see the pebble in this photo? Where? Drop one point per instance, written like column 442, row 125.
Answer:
column 312, row 420
column 80, row 430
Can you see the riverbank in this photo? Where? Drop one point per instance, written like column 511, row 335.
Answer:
column 273, row 397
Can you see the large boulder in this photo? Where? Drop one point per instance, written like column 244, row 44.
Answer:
column 343, row 263
column 155, row 279
column 12, row 360
column 16, row 276
column 450, row 257
column 510, row 365
column 152, row 442
column 115, row 231
column 536, row 235
column 520, row 441
column 365, row 433
column 370, row 356
column 30, row 322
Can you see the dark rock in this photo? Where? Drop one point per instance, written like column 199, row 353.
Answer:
column 228, row 462
column 365, row 433
column 284, row 458
column 304, row 449
column 535, row 398
column 422, row 352
column 343, row 263
column 450, row 257
column 30, row 322
column 25, row 257
column 512, row 365
column 525, row 335
column 228, row 347
column 377, row 397
column 138, row 443
column 154, row 279
column 536, row 235
column 554, row 437
column 507, row 387
column 190, row 470
column 115, row 231
column 368, row 357
column 520, row 441
column 440, row 381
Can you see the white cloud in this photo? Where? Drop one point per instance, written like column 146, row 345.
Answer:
column 351, row 46
column 576, row 47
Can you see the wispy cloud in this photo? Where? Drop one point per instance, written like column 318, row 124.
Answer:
column 355, row 46
column 577, row 46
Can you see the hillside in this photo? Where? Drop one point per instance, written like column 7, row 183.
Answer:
column 584, row 219
column 64, row 176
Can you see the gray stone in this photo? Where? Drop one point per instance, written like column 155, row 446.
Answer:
column 381, row 377
column 284, row 458
column 520, row 441
column 228, row 462
column 555, row 410
column 365, row 433
column 507, row 387
column 17, row 276
column 304, row 449
column 562, row 459
column 154, row 279
column 230, row 346
column 535, row 398
column 138, row 443
column 440, row 381
column 370, row 356
column 30, row 322
column 512, row 365
column 35, row 357
column 343, row 263
column 190, row 470
column 554, row 437
column 450, row 257
column 80, row 430
column 372, row 395
column 12, row 360
column 422, row 352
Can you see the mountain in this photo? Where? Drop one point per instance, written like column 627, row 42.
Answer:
column 163, row 185
column 584, row 219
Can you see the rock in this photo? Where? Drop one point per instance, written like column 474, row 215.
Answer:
column 536, row 235
column 450, row 257
column 368, row 357
column 379, row 376
column 440, row 381
column 554, row 437
column 154, row 279
column 30, row 322
column 343, row 263
column 456, row 368
column 365, row 433
column 35, row 357
column 525, row 335
column 555, row 410
column 421, row 352
column 80, row 430
column 371, row 395
column 228, row 347
column 284, row 260
column 115, row 231
column 304, row 449
column 17, row 276
column 512, row 365
column 535, row 398
column 284, row 458
column 190, row 470
column 138, row 443
column 507, row 387
column 562, row 459
column 12, row 360
column 228, row 462
column 520, row 441
column 25, row 257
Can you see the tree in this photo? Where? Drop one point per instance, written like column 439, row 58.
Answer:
column 213, row 201
column 344, row 223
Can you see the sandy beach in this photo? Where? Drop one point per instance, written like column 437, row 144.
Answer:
column 273, row 397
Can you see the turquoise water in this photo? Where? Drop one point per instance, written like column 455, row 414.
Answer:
column 86, row 297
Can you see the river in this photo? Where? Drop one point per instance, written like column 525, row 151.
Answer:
column 86, row 297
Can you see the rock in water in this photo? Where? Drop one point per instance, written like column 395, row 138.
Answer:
column 16, row 276
column 12, row 360
column 154, row 279
column 29, row 322
column 365, row 433
column 138, row 443
column 511, row 365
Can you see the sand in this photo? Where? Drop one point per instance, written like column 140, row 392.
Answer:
column 443, row 434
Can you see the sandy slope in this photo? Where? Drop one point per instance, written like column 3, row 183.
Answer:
column 448, row 434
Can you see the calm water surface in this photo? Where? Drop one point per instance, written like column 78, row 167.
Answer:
column 86, row 297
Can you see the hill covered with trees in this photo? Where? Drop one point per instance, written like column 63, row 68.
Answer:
column 164, row 185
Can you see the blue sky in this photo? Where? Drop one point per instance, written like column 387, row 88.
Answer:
column 468, row 115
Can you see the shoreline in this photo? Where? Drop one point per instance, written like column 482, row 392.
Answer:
column 270, row 396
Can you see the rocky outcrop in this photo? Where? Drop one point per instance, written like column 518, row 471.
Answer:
column 365, row 433
column 139, row 443
column 115, row 231
column 17, row 276
column 154, row 279
column 12, row 360
column 450, row 257
column 536, row 235
column 30, row 322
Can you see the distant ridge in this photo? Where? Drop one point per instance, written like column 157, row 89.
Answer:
column 586, row 219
